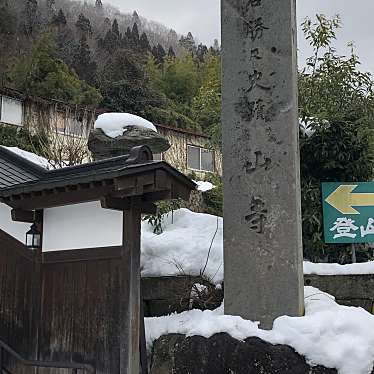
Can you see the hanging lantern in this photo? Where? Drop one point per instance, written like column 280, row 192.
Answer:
column 33, row 238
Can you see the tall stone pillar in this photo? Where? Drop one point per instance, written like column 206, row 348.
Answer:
column 262, row 215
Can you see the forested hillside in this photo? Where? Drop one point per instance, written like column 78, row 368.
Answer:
column 89, row 53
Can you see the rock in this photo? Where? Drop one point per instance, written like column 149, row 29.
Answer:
column 222, row 354
column 103, row 146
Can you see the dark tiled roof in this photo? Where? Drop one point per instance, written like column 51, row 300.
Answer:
column 15, row 170
column 22, row 176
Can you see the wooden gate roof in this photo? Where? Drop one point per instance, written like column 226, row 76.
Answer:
column 25, row 185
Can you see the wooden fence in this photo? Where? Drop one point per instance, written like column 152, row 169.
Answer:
column 16, row 297
column 66, row 311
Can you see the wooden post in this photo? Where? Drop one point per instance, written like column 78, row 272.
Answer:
column 354, row 258
column 130, row 290
column 143, row 343
column 37, row 286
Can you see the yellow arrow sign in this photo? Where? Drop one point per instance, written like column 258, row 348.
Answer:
column 343, row 200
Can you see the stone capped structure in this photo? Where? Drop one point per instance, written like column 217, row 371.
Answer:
column 103, row 146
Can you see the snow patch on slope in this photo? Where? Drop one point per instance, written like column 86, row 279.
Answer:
column 329, row 334
column 115, row 124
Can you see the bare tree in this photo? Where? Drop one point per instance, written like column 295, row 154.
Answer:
column 60, row 134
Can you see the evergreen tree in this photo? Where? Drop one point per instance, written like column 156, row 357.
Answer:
column 64, row 38
column 42, row 74
column 201, row 51
column 82, row 64
column 59, row 20
column 128, row 41
column 159, row 54
column 50, row 10
column 51, row 5
column 83, row 24
column 144, row 43
column 172, row 38
column 30, row 16
column 112, row 39
column 8, row 20
column 136, row 18
column 125, row 85
column 98, row 4
column 188, row 42
column 171, row 53
column 216, row 46
column 107, row 24
column 115, row 28
column 135, row 34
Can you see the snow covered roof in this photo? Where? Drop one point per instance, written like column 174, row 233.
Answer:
column 16, row 169
column 32, row 157
column 115, row 124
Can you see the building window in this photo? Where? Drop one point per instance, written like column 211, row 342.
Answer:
column 200, row 158
column 11, row 111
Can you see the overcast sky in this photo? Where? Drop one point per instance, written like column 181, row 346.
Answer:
column 202, row 18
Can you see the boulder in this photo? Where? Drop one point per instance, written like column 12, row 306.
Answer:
column 222, row 354
column 103, row 146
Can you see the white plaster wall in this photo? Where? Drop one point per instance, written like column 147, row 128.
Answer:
column 84, row 225
column 16, row 229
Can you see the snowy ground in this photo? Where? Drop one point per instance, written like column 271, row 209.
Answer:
column 329, row 334
column 183, row 247
column 190, row 240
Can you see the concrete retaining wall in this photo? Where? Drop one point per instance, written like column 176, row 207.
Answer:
column 164, row 295
column 351, row 290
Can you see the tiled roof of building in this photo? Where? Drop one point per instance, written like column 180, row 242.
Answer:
column 18, row 175
column 15, row 170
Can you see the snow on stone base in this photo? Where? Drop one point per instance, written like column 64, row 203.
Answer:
column 115, row 124
column 329, row 334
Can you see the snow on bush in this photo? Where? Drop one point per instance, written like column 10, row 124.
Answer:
column 183, row 246
column 329, row 334
column 115, row 124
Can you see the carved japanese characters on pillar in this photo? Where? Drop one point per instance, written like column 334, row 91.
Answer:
column 262, row 233
column 255, row 103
